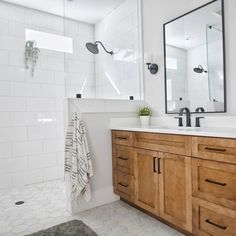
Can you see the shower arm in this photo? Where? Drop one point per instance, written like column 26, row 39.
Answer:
column 111, row 52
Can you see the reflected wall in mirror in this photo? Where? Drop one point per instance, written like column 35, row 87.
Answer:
column 195, row 60
column 93, row 72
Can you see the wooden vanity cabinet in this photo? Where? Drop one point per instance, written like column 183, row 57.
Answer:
column 175, row 190
column 187, row 181
column 157, row 181
column 146, row 180
column 214, row 182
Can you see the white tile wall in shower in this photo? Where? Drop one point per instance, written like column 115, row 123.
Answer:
column 31, row 118
column 79, row 66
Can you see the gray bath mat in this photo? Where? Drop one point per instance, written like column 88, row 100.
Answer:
column 71, row 228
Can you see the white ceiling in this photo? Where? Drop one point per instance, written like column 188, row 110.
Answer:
column 190, row 31
column 89, row 11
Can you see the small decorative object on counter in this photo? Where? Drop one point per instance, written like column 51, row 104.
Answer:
column 145, row 114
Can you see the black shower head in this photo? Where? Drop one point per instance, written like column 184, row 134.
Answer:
column 199, row 70
column 93, row 47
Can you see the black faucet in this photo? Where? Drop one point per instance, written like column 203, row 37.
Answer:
column 188, row 115
column 199, row 110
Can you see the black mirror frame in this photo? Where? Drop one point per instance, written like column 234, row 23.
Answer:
column 224, row 55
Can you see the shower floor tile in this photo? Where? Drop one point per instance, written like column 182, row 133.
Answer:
column 45, row 207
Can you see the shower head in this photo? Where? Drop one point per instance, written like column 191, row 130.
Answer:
column 199, row 70
column 93, row 47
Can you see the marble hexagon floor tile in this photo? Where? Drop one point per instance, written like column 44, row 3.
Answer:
column 45, row 206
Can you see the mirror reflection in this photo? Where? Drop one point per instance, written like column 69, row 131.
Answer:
column 194, row 60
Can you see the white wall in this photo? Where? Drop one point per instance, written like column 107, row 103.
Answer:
column 158, row 12
column 97, row 114
column 31, row 121
column 118, row 76
column 31, row 108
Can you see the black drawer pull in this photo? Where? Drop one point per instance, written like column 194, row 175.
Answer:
column 123, row 158
column 159, row 165
column 214, row 224
column 122, row 138
column 124, row 185
column 215, row 182
column 154, row 164
column 215, row 149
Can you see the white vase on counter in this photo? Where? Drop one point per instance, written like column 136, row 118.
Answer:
column 144, row 121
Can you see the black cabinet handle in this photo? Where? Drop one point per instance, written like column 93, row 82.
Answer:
column 216, row 225
column 122, row 138
column 124, row 185
column 215, row 149
column 159, row 165
column 123, row 158
column 215, row 182
column 154, row 164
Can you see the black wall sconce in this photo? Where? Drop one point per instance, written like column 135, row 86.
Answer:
column 152, row 67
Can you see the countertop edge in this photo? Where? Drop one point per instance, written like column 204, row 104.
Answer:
column 215, row 134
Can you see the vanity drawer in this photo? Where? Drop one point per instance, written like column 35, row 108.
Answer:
column 122, row 138
column 176, row 144
column 213, row 220
column 124, row 185
column 123, row 159
column 214, row 182
column 216, row 149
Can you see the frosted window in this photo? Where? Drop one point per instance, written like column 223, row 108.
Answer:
column 50, row 41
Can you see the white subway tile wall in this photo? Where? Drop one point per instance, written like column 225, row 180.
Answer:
column 118, row 76
column 31, row 117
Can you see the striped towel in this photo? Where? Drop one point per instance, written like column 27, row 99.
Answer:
column 78, row 163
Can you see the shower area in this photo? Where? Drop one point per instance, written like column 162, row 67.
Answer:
column 44, row 62
column 215, row 68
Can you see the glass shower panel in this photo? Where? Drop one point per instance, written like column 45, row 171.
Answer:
column 117, row 24
column 215, row 64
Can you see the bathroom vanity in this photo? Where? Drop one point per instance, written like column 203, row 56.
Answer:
column 187, row 179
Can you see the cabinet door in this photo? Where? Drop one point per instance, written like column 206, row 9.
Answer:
column 146, row 180
column 175, row 190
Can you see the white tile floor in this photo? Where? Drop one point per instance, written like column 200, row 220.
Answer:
column 45, row 206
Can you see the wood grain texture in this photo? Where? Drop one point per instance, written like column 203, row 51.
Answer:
column 216, row 149
column 212, row 220
column 176, row 144
column 124, row 185
column 123, row 158
column 122, row 138
column 215, row 182
column 175, row 190
column 146, row 180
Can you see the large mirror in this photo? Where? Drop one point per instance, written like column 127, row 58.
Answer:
column 195, row 60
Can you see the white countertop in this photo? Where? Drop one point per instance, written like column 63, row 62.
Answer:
column 193, row 131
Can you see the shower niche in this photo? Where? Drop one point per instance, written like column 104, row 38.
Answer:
column 107, row 57
column 195, row 60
